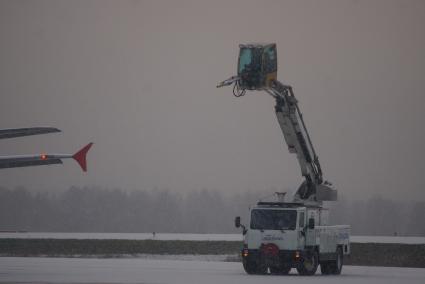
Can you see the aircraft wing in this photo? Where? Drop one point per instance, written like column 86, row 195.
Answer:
column 19, row 132
column 44, row 159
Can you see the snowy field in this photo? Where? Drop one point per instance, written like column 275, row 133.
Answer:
column 67, row 270
column 190, row 237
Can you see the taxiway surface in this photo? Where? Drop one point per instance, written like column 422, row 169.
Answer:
column 136, row 270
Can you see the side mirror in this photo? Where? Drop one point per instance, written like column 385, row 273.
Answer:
column 238, row 222
column 311, row 223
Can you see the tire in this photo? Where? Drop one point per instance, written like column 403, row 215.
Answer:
column 261, row 269
column 251, row 267
column 309, row 264
column 325, row 268
column 336, row 265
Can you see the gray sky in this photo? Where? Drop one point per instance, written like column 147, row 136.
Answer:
column 138, row 79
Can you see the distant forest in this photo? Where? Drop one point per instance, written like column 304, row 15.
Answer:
column 203, row 211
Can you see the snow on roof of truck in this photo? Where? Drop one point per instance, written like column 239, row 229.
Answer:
column 284, row 205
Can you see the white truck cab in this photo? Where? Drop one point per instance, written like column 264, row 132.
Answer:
column 281, row 236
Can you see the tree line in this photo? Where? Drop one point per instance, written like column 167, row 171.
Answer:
column 92, row 209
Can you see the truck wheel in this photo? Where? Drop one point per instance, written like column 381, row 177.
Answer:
column 251, row 267
column 336, row 265
column 280, row 270
column 325, row 268
column 261, row 269
column 309, row 264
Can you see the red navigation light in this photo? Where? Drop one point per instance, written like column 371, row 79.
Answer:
column 43, row 156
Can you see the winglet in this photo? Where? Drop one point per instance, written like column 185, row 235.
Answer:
column 80, row 156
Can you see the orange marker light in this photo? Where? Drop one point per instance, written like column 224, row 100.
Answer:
column 43, row 156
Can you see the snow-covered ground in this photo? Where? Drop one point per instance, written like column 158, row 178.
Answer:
column 125, row 236
column 68, row 270
column 191, row 237
column 387, row 239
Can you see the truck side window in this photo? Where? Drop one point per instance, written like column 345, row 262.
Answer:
column 301, row 222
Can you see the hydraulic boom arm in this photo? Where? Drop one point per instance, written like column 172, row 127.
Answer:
column 298, row 140
column 257, row 70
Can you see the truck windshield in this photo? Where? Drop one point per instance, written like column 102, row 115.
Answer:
column 268, row 219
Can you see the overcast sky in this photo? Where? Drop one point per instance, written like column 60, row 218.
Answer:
column 138, row 79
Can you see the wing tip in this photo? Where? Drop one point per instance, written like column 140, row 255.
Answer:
column 81, row 156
